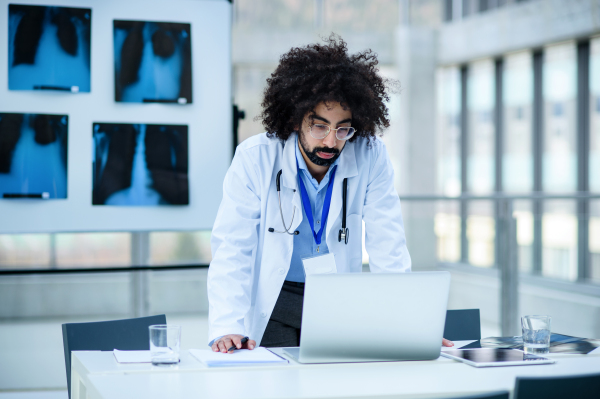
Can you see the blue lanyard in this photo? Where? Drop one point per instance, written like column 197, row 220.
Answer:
column 308, row 210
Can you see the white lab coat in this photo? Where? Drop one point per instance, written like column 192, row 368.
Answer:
column 250, row 263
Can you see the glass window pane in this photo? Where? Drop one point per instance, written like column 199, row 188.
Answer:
column 447, row 231
column 594, row 168
column 517, row 87
column 594, row 240
column 559, row 240
column 180, row 247
column 559, row 162
column 523, row 213
column 481, row 131
column 448, row 131
column 249, row 84
column 360, row 15
column 276, row 14
column 22, row 251
column 93, row 250
column 481, row 233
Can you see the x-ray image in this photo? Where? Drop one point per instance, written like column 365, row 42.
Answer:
column 33, row 156
column 49, row 48
column 140, row 165
column 153, row 62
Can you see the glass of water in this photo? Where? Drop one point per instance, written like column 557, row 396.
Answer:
column 164, row 343
column 536, row 334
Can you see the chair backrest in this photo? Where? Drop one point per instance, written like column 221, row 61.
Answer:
column 578, row 386
column 127, row 334
column 462, row 325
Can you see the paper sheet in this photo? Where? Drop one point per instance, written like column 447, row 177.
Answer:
column 241, row 357
column 457, row 345
column 132, row 356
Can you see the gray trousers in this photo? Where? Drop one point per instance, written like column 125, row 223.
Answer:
column 284, row 325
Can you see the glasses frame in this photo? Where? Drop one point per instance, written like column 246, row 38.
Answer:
column 348, row 137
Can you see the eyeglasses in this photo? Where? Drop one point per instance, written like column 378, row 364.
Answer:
column 319, row 132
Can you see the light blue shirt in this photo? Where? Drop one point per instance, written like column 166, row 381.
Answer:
column 304, row 243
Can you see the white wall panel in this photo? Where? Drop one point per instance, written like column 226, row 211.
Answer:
column 208, row 119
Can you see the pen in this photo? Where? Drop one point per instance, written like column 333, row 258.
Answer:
column 244, row 340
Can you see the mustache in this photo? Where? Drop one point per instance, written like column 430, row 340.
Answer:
column 326, row 150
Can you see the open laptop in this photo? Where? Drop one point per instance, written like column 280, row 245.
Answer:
column 369, row 317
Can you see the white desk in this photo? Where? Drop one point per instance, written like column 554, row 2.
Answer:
column 97, row 375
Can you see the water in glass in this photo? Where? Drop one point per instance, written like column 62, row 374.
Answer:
column 164, row 344
column 536, row 334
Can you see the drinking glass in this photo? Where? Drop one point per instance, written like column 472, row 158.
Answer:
column 536, row 334
column 164, row 343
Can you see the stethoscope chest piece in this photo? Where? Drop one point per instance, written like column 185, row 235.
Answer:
column 343, row 235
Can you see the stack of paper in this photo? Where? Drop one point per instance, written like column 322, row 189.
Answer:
column 240, row 357
column 132, row 356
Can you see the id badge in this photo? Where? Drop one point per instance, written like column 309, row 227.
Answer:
column 322, row 264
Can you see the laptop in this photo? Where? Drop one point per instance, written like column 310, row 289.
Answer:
column 372, row 317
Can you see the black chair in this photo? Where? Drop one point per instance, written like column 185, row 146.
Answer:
column 462, row 325
column 128, row 334
column 579, row 386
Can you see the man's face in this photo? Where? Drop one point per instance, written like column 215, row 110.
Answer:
column 324, row 152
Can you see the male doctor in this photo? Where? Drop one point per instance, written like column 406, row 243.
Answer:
column 322, row 108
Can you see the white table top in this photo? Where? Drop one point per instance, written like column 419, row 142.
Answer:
column 105, row 378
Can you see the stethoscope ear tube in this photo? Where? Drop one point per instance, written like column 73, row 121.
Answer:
column 277, row 180
column 287, row 229
column 344, row 231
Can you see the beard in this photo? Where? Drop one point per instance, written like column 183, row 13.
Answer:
column 314, row 158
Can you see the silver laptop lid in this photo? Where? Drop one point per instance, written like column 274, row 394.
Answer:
column 358, row 317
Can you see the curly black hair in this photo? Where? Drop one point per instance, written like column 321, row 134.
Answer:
column 308, row 76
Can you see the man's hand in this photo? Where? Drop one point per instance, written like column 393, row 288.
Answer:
column 447, row 342
column 227, row 341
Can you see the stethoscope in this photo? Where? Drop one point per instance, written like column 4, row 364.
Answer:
column 344, row 231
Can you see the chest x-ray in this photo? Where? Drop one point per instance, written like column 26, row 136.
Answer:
column 153, row 62
column 33, row 156
column 49, row 48
column 140, row 165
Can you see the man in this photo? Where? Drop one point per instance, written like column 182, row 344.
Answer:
column 282, row 196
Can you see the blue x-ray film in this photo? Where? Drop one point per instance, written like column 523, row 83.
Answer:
column 140, row 165
column 153, row 62
column 49, row 48
column 33, row 156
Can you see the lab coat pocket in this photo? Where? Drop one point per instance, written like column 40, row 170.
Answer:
column 354, row 247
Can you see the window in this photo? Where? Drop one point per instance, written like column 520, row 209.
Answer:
column 180, row 247
column 97, row 250
column 447, row 222
column 559, row 240
column 481, row 233
column 559, row 160
column 594, row 240
column 524, row 216
column 594, row 160
column 517, row 162
column 448, row 131
column 480, row 131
